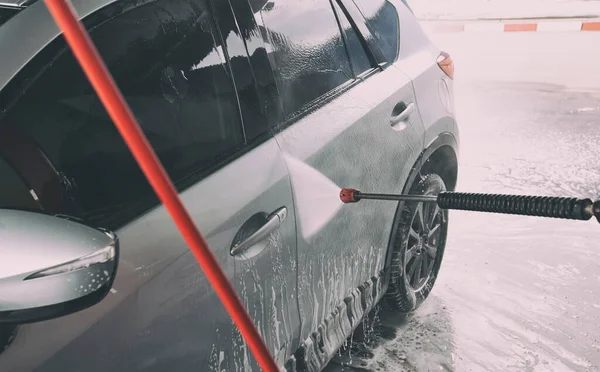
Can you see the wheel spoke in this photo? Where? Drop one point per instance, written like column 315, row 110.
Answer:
column 431, row 250
column 420, row 216
column 425, row 269
column 433, row 230
column 430, row 268
column 412, row 269
column 418, row 271
column 413, row 233
column 410, row 254
column 436, row 211
column 424, row 266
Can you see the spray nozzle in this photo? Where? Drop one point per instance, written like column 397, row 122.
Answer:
column 349, row 195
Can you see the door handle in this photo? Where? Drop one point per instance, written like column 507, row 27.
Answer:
column 401, row 113
column 274, row 220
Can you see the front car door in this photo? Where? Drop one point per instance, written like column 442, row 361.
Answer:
column 170, row 61
column 345, row 116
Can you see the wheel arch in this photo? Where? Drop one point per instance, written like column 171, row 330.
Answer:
column 441, row 157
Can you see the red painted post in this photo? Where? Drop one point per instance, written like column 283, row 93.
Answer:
column 112, row 99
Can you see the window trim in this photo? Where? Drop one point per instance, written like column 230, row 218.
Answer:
column 353, row 14
column 379, row 50
column 316, row 104
column 228, row 63
column 344, row 38
column 366, row 49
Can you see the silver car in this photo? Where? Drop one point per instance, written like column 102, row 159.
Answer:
column 260, row 110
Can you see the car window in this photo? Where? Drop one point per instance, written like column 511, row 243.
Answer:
column 358, row 56
column 14, row 192
column 6, row 14
column 310, row 61
column 382, row 19
column 168, row 60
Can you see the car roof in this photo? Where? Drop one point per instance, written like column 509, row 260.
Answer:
column 30, row 30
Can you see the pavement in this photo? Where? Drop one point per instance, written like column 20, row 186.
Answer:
column 514, row 293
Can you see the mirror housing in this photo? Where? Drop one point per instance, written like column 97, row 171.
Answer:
column 52, row 266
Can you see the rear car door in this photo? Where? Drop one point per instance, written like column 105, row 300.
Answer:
column 172, row 64
column 417, row 57
column 342, row 116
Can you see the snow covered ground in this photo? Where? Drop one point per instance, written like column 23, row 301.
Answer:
column 494, row 9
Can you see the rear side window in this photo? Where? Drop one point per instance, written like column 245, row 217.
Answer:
column 169, row 62
column 382, row 19
column 307, row 49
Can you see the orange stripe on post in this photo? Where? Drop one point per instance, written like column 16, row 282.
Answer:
column 590, row 26
column 520, row 27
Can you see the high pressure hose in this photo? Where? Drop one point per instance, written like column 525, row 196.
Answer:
column 539, row 206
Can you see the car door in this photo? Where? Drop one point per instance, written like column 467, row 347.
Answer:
column 347, row 118
column 171, row 62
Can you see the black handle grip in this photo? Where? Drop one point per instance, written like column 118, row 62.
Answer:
column 541, row 206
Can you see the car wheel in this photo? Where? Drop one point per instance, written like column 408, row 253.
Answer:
column 418, row 248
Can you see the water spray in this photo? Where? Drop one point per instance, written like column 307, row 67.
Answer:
column 538, row 206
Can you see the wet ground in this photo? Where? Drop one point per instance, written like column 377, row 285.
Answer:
column 514, row 293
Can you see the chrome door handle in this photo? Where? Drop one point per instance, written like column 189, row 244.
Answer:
column 403, row 115
column 274, row 220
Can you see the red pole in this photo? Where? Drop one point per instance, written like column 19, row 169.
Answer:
column 121, row 114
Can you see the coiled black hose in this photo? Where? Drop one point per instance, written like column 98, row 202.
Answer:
column 541, row 206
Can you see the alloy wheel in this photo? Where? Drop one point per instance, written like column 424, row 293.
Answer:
column 422, row 246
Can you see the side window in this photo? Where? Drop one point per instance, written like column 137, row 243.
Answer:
column 249, row 21
column 358, row 56
column 14, row 192
column 382, row 19
column 236, row 34
column 168, row 60
column 307, row 50
column 27, row 174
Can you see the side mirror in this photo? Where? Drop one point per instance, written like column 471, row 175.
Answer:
column 52, row 266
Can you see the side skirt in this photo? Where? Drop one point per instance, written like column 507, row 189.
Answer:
column 316, row 351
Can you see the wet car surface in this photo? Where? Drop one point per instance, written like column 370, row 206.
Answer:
column 516, row 293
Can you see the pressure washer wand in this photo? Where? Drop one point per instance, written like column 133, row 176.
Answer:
column 539, row 206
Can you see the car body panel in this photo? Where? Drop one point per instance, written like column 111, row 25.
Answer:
column 338, row 141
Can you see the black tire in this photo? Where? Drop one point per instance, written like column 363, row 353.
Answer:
column 416, row 242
